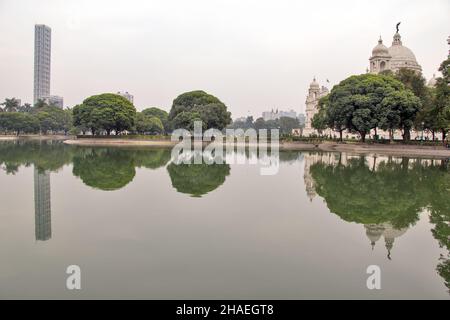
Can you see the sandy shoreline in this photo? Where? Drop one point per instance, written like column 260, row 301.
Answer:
column 120, row 143
column 36, row 137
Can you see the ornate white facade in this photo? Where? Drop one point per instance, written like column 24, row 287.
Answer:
column 315, row 92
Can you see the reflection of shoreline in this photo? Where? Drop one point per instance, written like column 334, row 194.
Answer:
column 357, row 148
column 373, row 162
column 42, row 205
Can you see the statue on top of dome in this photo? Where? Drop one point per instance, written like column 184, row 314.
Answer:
column 397, row 26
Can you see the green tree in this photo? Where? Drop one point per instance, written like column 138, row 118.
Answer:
column 148, row 124
column 10, row 105
column 287, row 124
column 357, row 100
column 186, row 120
column 362, row 121
column 199, row 104
column 18, row 122
column 160, row 114
column 40, row 103
column 67, row 121
column 105, row 112
column 26, row 108
column 82, row 118
column 319, row 121
column 259, row 124
column 442, row 100
column 413, row 81
column 53, row 119
column 398, row 110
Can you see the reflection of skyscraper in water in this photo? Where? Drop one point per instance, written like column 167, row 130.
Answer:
column 42, row 205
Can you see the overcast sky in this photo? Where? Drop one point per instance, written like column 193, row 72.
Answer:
column 253, row 54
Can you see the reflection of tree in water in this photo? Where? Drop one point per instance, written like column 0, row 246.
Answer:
column 45, row 155
column 388, row 196
column 357, row 194
column 440, row 216
column 113, row 168
column 151, row 159
column 290, row 156
column 104, row 169
column 197, row 179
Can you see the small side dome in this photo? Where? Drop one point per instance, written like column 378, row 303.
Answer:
column 314, row 84
column 380, row 50
column 433, row 81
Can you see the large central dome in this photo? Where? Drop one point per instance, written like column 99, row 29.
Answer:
column 394, row 58
column 401, row 56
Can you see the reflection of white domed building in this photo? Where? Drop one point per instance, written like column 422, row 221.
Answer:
column 394, row 58
column 375, row 231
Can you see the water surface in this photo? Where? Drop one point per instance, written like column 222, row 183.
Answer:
column 140, row 226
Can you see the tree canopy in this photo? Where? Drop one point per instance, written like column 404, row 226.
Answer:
column 199, row 105
column 105, row 112
column 360, row 103
column 148, row 124
column 160, row 114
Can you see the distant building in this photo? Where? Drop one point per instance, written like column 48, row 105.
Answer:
column 56, row 101
column 127, row 96
column 274, row 115
column 241, row 119
column 42, row 61
column 288, row 114
column 301, row 119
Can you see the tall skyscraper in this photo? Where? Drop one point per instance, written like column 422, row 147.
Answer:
column 42, row 205
column 42, row 61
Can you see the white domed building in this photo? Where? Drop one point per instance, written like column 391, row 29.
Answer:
column 432, row 82
column 393, row 58
column 315, row 92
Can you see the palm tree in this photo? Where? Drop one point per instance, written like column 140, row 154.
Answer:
column 40, row 103
column 11, row 105
column 26, row 108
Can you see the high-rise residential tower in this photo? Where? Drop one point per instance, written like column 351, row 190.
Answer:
column 42, row 61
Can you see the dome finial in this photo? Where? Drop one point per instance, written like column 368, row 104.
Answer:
column 397, row 40
column 397, row 26
column 380, row 41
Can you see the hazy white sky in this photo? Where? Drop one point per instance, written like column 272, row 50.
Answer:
column 253, row 54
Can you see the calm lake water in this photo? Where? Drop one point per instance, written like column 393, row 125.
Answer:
column 140, row 226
